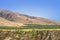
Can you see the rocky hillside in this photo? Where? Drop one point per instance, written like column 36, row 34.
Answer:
column 30, row 35
column 24, row 19
column 4, row 22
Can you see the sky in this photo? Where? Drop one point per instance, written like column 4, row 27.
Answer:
column 41, row 8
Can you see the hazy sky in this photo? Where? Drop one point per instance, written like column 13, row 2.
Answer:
column 42, row 8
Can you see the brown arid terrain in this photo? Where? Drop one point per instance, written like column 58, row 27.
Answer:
column 30, row 35
column 23, row 19
column 4, row 22
column 15, row 20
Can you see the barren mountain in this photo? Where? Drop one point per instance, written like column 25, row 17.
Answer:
column 24, row 19
column 4, row 22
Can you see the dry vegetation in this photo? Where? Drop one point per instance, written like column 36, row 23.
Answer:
column 30, row 35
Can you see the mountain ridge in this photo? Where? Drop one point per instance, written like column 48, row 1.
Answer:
column 24, row 19
column 4, row 22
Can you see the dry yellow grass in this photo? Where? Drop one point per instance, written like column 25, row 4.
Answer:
column 4, row 22
column 31, row 30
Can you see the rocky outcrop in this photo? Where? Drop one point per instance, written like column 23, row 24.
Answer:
column 30, row 35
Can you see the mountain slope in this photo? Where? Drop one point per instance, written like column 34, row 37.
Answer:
column 25, row 19
column 4, row 22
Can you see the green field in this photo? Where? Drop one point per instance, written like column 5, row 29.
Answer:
column 33, row 26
